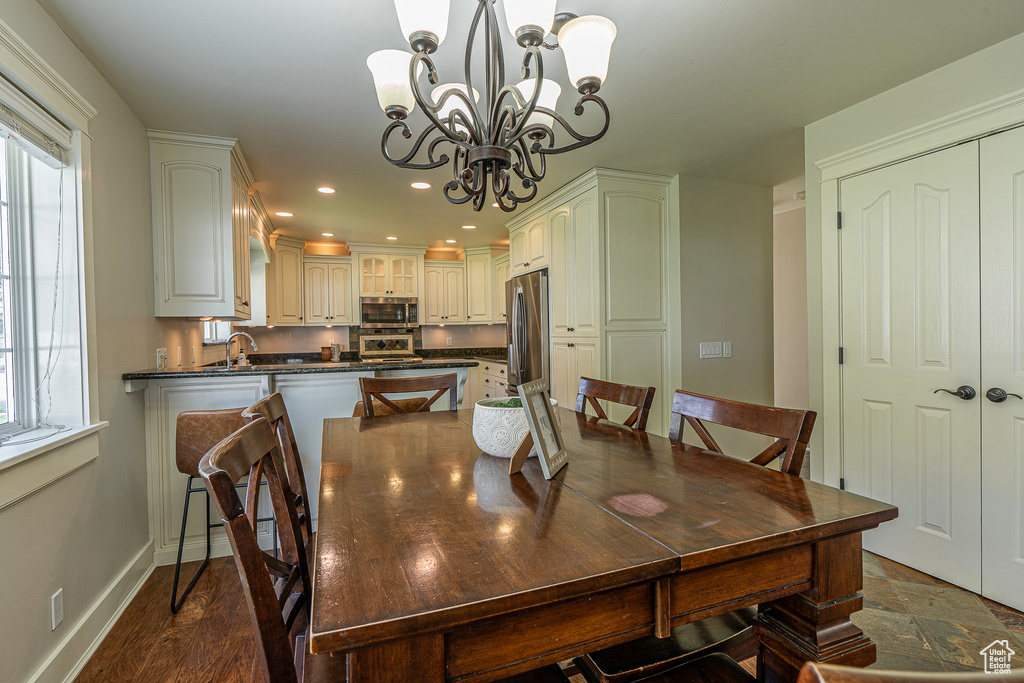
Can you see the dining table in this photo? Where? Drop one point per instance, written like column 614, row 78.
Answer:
column 433, row 563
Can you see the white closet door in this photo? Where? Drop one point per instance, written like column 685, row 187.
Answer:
column 911, row 321
column 1002, row 364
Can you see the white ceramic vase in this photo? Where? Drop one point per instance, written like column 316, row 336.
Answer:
column 499, row 431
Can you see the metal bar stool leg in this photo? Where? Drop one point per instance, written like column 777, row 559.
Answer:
column 175, row 600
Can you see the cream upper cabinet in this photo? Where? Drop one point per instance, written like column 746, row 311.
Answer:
column 445, row 297
column 500, row 265
column 200, row 226
column 387, row 275
column 528, row 247
column 327, row 283
column 285, row 283
column 574, row 286
column 479, row 285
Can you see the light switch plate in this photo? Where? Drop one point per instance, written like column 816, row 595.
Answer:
column 726, row 349
column 711, row 349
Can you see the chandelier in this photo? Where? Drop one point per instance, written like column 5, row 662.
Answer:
column 512, row 130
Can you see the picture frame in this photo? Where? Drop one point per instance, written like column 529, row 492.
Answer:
column 544, row 429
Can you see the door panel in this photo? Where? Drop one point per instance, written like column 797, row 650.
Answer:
column 1002, row 317
column 911, row 314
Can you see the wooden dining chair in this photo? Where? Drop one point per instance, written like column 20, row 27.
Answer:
column 639, row 398
column 374, row 388
column 276, row 590
column 273, row 409
column 732, row 633
column 813, row 672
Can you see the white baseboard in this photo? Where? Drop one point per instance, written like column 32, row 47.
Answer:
column 68, row 658
column 195, row 547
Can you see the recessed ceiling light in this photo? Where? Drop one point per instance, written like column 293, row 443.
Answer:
column 392, row 238
column 450, row 241
column 421, row 186
column 325, row 190
column 327, row 234
column 285, row 214
column 469, row 227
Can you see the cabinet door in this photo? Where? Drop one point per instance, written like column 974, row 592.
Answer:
column 517, row 251
column 560, row 275
column 563, row 369
column 455, row 295
column 403, row 276
column 316, row 286
column 501, row 275
column 537, row 244
column 432, row 306
column 340, row 281
column 240, row 245
column 587, row 363
column 585, row 274
column 373, row 275
column 478, row 288
column 287, row 293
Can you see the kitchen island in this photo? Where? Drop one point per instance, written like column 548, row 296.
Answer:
column 313, row 391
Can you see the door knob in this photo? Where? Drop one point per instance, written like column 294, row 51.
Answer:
column 998, row 395
column 965, row 392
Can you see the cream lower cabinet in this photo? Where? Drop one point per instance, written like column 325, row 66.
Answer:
column 570, row 360
column 327, row 285
column 445, row 296
column 284, row 282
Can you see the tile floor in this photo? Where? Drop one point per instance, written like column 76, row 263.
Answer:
column 921, row 623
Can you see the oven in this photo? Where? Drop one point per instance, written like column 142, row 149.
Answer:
column 388, row 312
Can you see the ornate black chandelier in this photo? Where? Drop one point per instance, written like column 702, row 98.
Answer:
column 512, row 130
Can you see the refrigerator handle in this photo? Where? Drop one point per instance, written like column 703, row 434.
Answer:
column 513, row 359
column 521, row 343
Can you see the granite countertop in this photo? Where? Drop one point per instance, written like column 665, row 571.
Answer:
column 297, row 368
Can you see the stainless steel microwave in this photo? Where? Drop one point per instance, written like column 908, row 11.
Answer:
column 388, row 312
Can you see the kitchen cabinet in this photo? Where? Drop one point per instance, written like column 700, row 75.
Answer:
column 529, row 247
column 387, row 275
column 479, row 285
column 573, row 295
column 445, row 296
column 327, row 286
column 493, row 380
column 500, row 265
column 201, row 215
column 570, row 360
column 284, row 282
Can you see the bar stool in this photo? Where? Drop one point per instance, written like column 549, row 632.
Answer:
column 196, row 432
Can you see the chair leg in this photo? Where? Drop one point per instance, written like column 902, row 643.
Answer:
column 176, row 602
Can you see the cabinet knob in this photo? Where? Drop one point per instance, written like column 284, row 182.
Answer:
column 570, row 345
column 526, row 264
column 245, row 303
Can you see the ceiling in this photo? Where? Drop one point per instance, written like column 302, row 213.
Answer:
column 711, row 88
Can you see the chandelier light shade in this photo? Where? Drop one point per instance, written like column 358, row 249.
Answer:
column 424, row 23
column 500, row 136
column 587, row 44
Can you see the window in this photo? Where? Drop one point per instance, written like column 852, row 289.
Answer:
column 8, row 404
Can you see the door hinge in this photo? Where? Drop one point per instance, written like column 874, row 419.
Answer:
column 842, row 484
column 840, row 355
column 839, row 220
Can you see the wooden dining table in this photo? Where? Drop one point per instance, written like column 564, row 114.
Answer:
column 432, row 563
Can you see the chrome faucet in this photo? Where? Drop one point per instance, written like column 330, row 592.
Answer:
column 227, row 345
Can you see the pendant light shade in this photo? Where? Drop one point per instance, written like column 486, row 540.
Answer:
column 390, row 69
column 424, row 23
column 587, row 44
column 529, row 20
column 549, row 92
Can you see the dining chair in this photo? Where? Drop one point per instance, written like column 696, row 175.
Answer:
column 813, row 672
column 639, row 398
column 374, row 388
column 276, row 590
column 273, row 409
column 731, row 633
column 196, row 432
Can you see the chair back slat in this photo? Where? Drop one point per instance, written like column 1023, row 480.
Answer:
column 791, row 428
column 374, row 388
column 276, row 590
column 640, row 398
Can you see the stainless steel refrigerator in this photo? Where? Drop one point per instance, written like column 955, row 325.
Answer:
column 527, row 330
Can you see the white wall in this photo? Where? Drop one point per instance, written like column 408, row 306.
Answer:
column 789, row 277
column 975, row 79
column 726, row 241
column 81, row 532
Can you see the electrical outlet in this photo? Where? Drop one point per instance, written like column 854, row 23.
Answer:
column 179, row 357
column 56, row 609
column 161, row 359
column 449, row 341
column 711, row 349
column 726, row 349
